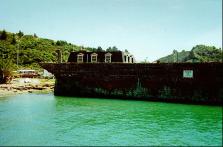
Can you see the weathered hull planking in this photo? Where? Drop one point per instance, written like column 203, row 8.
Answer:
column 200, row 83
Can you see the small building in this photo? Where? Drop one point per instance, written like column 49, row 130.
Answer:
column 101, row 57
column 27, row 73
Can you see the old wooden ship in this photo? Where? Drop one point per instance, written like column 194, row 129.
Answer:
column 116, row 75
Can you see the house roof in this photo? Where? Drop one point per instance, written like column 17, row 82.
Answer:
column 116, row 56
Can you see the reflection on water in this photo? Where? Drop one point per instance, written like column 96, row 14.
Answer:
column 40, row 119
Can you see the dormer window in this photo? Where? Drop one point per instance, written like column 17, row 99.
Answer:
column 108, row 57
column 94, row 57
column 80, row 58
column 129, row 58
column 125, row 59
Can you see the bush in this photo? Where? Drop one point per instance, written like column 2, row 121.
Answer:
column 6, row 70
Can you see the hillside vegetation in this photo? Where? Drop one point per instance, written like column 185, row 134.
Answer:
column 31, row 49
column 199, row 53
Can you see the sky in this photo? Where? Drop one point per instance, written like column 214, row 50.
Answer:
column 149, row 29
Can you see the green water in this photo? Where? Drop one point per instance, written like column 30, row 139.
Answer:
column 43, row 119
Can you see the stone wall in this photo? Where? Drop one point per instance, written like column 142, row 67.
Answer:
column 177, row 82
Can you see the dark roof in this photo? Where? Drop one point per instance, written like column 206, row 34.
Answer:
column 116, row 56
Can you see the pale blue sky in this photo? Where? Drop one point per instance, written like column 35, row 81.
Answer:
column 147, row 28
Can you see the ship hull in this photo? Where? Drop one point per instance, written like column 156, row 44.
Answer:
column 198, row 83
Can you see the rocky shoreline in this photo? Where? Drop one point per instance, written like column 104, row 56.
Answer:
column 22, row 85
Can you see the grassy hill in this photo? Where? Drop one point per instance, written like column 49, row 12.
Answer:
column 199, row 53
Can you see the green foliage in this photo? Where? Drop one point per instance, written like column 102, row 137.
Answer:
column 31, row 49
column 3, row 35
column 7, row 65
column 204, row 53
column 6, row 70
column 35, row 35
column 20, row 34
column 61, row 43
column 112, row 49
column 100, row 49
column 126, row 51
column 13, row 39
column 199, row 53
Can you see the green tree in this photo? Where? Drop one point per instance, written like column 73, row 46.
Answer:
column 13, row 39
column 3, row 35
column 99, row 49
column 192, row 56
column 109, row 49
column 112, row 49
column 61, row 43
column 126, row 51
column 6, row 70
column 20, row 34
column 35, row 36
column 175, row 56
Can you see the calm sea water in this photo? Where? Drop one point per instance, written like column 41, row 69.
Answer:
column 43, row 119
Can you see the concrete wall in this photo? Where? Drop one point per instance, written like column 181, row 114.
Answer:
column 159, row 82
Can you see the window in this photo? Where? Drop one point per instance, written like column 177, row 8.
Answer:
column 129, row 59
column 94, row 57
column 108, row 57
column 80, row 58
column 125, row 59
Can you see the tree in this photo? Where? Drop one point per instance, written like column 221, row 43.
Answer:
column 108, row 49
column 192, row 56
column 61, row 43
column 6, row 70
column 112, row 49
column 20, row 34
column 175, row 56
column 35, row 35
column 126, row 51
column 13, row 40
column 3, row 35
column 99, row 49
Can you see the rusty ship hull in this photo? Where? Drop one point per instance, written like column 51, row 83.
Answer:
column 198, row 83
